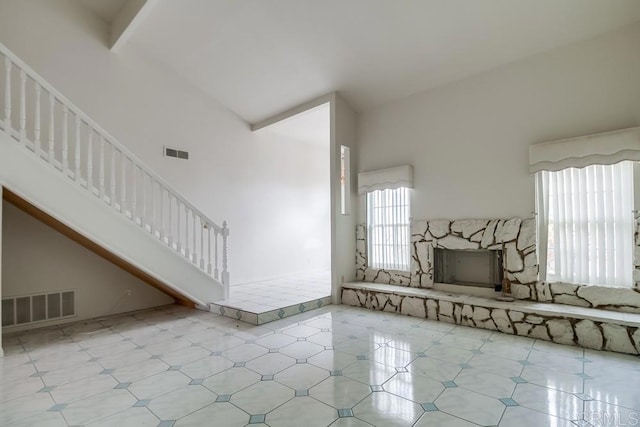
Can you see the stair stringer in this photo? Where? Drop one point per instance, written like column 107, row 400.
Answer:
column 50, row 191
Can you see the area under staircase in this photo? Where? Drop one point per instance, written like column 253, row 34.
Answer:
column 58, row 165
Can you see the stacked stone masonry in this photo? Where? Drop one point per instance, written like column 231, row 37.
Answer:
column 517, row 237
column 563, row 329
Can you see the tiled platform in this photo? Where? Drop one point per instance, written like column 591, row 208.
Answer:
column 579, row 326
column 262, row 302
column 338, row 365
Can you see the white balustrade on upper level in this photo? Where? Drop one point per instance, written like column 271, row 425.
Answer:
column 94, row 160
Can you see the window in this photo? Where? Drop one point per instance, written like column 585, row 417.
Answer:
column 388, row 229
column 345, row 180
column 585, row 224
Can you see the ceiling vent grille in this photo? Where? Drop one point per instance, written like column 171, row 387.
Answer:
column 174, row 152
column 23, row 310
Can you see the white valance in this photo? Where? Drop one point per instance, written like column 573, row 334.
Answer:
column 383, row 179
column 599, row 149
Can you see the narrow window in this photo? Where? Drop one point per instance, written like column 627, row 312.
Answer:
column 345, row 180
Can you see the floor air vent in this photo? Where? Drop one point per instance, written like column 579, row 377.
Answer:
column 22, row 310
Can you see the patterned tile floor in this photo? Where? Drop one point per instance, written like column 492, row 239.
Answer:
column 269, row 295
column 338, row 366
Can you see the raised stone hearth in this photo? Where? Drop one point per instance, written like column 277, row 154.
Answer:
column 590, row 328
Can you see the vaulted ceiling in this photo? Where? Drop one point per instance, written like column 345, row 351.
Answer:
column 261, row 57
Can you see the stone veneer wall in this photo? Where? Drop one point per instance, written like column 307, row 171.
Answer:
column 519, row 239
column 599, row 335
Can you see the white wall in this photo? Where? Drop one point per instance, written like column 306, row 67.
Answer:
column 468, row 141
column 38, row 259
column 257, row 182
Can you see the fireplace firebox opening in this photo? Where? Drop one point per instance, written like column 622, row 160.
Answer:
column 469, row 267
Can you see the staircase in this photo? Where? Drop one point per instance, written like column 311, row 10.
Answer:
column 60, row 166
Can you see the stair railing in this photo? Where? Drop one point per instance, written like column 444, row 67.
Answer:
column 48, row 125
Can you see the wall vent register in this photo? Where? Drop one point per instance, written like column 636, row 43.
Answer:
column 22, row 310
column 174, row 152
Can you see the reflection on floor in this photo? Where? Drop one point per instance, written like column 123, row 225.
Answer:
column 269, row 300
column 338, row 365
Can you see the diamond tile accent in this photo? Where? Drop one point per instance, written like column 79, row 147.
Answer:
column 239, row 365
column 46, row 389
column 509, row 401
column 362, row 357
column 301, row 361
column 302, row 393
column 281, row 313
column 525, row 362
column 167, row 423
column 421, row 354
column 336, row 373
column 267, row 378
column 345, row 413
column 401, row 370
column 518, row 380
column 58, row 407
column 377, row 388
column 223, row 398
column 157, row 356
column 197, row 381
column 120, row 386
column 38, row 374
column 274, row 350
column 141, row 403
column 583, row 396
column 302, row 339
column 257, row 419
column 449, row 384
column 174, row 368
column 429, row 407
column 465, row 366
column 216, row 353
column 107, row 372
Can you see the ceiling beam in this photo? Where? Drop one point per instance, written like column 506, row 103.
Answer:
column 132, row 14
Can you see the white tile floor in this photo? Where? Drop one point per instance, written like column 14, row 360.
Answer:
column 338, row 365
column 268, row 295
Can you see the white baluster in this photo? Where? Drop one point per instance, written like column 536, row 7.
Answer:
column 77, row 150
column 161, row 201
column 143, row 195
column 112, row 175
column 209, row 268
column 153, row 205
column 36, row 130
column 7, row 96
column 195, row 253
column 52, row 104
column 216, row 271
column 170, row 225
column 101, row 168
column 65, row 139
column 187, row 254
column 134, row 191
column 201, row 228
column 90, row 161
column 23, row 106
column 178, row 230
column 123, row 185
column 225, row 254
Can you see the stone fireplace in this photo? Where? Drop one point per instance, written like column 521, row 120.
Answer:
column 470, row 267
column 516, row 238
